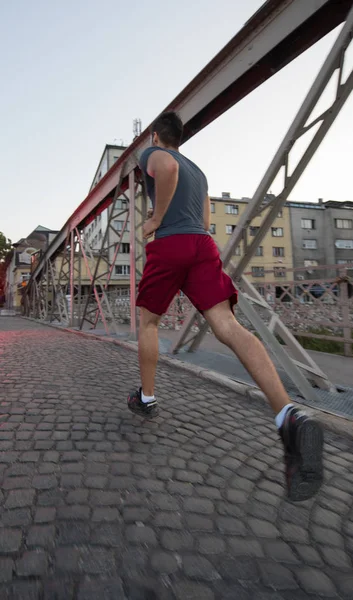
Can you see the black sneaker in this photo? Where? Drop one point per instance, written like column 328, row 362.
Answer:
column 145, row 409
column 303, row 443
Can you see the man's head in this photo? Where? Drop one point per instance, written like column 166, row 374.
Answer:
column 167, row 130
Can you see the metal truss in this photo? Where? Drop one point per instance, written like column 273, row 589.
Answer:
column 57, row 295
column 302, row 124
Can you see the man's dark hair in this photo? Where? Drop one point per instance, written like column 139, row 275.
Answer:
column 169, row 128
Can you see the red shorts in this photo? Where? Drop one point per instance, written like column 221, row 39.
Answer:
column 190, row 263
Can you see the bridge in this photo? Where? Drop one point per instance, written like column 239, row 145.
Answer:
column 190, row 506
column 273, row 37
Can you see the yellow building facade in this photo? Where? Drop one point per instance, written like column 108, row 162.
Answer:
column 274, row 257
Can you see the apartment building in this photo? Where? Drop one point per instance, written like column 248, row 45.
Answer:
column 274, row 257
column 19, row 263
column 322, row 234
column 95, row 232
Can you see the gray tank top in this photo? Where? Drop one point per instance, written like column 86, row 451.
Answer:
column 185, row 213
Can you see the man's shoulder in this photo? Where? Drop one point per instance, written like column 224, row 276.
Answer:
column 146, row 154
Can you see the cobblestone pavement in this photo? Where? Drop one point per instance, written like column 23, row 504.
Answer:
column 97, row 504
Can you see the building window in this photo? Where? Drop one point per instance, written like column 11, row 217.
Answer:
column 308, row 224
column 212, row 228
column 346, row 262
column 230, row 229
column 118, row 226
column 259, row 251
column 124, row 248
column 343, row 223
column 344, row 244
column 278, row 252
column 213, row 208
column 310, row 263
column 277, row 231
column 122, row 269
column 258, row 271
column 261, row 290
column 253, row 231
column 121, row 204
column 238, row 251
column 232, row 209
column 280, row 214
column 310, row 244
column 279, row 271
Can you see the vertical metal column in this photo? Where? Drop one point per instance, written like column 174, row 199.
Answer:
column 79, row 283
column 347, row 327
column 72, row 277
column 133, row 320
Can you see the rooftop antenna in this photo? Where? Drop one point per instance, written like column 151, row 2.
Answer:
column 137, row 128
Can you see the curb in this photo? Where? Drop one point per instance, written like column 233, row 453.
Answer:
column 333, row 423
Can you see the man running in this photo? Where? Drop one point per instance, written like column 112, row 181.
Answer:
column 184, row 257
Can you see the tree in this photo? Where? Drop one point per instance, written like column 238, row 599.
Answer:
column 5, row 246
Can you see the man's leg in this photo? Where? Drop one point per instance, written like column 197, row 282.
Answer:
column 301, row 436
column 148, row 350
column 162, row 278
column 250, row 352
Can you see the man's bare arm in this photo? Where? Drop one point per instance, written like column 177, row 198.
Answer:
column 207, row 213
column 165, row 171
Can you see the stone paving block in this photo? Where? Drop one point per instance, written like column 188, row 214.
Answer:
column 111, row 589
column 169, row 520
column 7, row 568
column 211, row 544
column 280, row 551
column 199, row 568
column 238, row 569
column 17, row 517
column 10, row 540
column 334, row 557
column 308, row 554
column 240, row 546
column 164, row 562
column 276, row 576
column 72, row 533
column 316, row 582
column 20, row 498
column 32, row 563
column 140, row 535
column 176, row 541
column 41, row 535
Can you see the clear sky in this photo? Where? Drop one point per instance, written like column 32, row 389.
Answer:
column 75, row 73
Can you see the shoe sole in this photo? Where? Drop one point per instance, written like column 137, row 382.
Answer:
column 141, row 413
column 308, row 479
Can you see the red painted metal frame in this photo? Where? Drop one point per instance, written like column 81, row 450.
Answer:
column 95, row 291
column 132, row 188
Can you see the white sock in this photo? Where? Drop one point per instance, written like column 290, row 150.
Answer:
column 146, row 399
column 282, row 415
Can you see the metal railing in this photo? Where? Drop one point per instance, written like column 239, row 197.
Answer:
column 318, row 308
